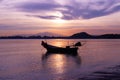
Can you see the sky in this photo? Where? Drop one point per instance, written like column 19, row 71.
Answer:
column 59, row 16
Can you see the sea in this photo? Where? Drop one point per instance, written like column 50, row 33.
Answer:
column 26, row 59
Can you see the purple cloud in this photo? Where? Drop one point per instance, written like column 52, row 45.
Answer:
column 33, row 7
column 1, row 0
column 18, row 27
column 48, row 17
column 7, row 27
column 74, row 10
column 88, row 13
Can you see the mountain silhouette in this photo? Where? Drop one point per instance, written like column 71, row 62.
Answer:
column 84, row 35
column 47, row 35
column 50, row 34
column 81, row 35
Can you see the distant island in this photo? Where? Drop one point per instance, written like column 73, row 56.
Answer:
column 84, row 35
column 81, row 35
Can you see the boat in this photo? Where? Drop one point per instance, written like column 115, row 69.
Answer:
column 67, row 50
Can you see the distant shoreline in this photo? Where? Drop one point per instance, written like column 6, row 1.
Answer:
column 81, row 35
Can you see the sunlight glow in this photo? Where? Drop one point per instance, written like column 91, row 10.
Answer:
column 58, row 14
column 59, row 44
column 59, row 63
column 59, row 21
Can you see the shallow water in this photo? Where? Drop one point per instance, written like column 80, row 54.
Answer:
column 27, row 59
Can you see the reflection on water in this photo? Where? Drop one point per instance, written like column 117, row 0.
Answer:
column 24, row 59
column 60, row 62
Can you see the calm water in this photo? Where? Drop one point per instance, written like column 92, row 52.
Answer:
column 27, row 59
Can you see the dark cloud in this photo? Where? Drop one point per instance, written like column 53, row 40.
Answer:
column 74, row 11
column 38, row 6
column 43, row 17
column 88, row 13
column 48, row 17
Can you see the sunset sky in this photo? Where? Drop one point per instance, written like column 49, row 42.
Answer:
column 59, row 16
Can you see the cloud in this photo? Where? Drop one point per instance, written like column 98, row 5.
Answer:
column 92, row 10
column 75, row 9
column 33, row 7
column 19, row 27
column 1, row 0
column 48, row 17
column 6, row 27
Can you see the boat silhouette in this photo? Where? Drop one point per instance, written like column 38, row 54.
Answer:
column 67, row 50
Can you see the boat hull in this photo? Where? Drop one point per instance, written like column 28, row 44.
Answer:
column 54, row 49
column 62, row 50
